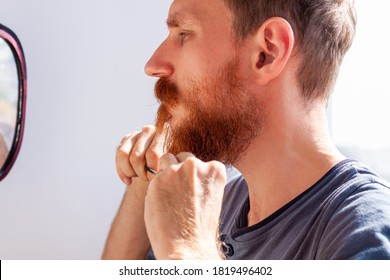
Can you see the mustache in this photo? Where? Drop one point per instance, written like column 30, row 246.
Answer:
column 166, row 92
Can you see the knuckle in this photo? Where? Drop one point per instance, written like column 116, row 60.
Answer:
column 189, row 167
column 165, row 157
column 153, row 153
column 130, row 135
column 148, row 129
column 191, row 162
column 217, row 165
column 125, row 144
column 124, row 138
column 136, row 157
column 172, row 169
column 171, row 173
column 218, row 170
column 122, row 151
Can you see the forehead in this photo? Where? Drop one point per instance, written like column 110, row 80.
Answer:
column 198, row 12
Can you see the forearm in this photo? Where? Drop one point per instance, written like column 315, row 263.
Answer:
column 128, row 238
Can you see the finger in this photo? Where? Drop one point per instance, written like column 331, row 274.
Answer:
column 123, row 165
column 166, row 161
column 126, row 137
column 209, row 173
column 138, row 153
column 214, row 181
column 126, row 180
column 183, row 156
column 217, row 171
column 154, row 152
column 150, row 173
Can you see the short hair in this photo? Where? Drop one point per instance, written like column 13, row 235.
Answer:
column 323, row 29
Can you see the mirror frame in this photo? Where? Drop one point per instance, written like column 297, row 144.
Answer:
column 13, row 42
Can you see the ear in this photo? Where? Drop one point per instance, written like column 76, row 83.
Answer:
column 273, row 45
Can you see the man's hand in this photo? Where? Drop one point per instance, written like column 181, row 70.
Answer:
column 182, row 207
column 128, row 238
column 137, row 150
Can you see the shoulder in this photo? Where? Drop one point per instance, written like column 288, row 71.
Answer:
column 359, row 227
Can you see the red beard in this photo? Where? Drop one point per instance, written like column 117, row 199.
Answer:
column 221, row 117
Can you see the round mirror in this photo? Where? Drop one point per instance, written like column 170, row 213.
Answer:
column 12, row 98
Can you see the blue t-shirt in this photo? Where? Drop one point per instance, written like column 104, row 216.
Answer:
column 345, row 215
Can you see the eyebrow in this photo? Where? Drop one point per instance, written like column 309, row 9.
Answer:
column 178, row 20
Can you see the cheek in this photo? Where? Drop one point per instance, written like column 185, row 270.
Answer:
column 187, row 72
column 196, row 63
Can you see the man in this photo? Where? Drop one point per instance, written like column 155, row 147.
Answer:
column 247, row 83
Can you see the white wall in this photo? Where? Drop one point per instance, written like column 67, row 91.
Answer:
column 361, row 100
column 86, row 89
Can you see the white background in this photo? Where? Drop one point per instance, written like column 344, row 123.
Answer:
column 361, row 101
column 86, row 89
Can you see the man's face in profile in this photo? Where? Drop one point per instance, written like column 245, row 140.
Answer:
column 205, row 108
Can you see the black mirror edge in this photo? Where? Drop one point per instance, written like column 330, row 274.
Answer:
column 13, row 41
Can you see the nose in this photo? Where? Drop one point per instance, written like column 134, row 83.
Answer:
column 159, row 65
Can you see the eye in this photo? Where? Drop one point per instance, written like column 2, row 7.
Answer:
column 182, row 36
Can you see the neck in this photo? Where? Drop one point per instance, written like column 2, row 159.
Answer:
column 295, row 151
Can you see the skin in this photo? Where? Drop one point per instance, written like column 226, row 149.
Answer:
column 177, row 210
